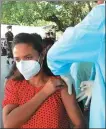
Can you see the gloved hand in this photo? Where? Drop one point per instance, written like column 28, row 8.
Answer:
column 86, row 91
column 69, row 81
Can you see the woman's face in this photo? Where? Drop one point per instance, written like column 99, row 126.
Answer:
column 25, row 52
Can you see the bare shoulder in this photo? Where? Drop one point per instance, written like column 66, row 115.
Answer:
column 64, row 92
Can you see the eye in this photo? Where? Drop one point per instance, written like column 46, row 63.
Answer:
column 29, row 57
column 16, row 59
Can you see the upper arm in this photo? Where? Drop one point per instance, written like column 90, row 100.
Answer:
column 72, row 107
column 10, row 93
column 10, row 100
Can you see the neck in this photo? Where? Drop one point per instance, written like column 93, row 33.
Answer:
column 39, row 80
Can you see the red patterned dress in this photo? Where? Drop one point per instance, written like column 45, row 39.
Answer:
column 51, row 114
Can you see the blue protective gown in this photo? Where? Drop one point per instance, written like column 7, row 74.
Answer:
column 85, row 43
column 93, row 73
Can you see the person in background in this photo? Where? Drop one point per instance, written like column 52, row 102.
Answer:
column 50, row 35
column 47, row 35
column 4, row 52
column 80, row 71
column 39, row 100
column 9, row 37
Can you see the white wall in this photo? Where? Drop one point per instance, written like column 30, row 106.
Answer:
column 19, row 29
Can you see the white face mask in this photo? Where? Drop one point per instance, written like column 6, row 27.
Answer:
column 28, row 68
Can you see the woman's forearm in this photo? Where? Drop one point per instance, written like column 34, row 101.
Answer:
column 18, row 116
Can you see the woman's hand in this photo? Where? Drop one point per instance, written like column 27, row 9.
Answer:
column 52, row 85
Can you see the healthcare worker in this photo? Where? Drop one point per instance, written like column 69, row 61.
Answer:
column 86, row 86
column 86, row 43
column 80, row 71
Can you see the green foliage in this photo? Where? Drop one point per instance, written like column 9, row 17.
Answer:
column 63, row 14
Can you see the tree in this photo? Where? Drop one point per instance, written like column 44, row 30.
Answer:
column 63, row 14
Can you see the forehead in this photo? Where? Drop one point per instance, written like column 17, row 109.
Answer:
column 23, row 50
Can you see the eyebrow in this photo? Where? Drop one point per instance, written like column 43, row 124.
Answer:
column 24, row 56
column 28, row 55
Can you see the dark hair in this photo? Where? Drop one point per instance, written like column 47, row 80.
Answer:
column 29, row 39
column 9, row 27
column 37, row 36
column 36, row 42
column 47, row 41
column 13, row 75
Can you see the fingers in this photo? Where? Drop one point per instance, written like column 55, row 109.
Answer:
column 55, row 77
column 60, row 87
column 70, row 89
column 81, row 98
column 57, row 81
column 87, row 101
column 84, row 83
column 60, row 83
column 84, row 88
column 79, row 95
column 69, row 84
column 68, row 79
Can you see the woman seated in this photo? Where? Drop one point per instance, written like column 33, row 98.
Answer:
column 34, row 97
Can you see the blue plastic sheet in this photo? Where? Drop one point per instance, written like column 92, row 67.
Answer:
column 85, row 43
